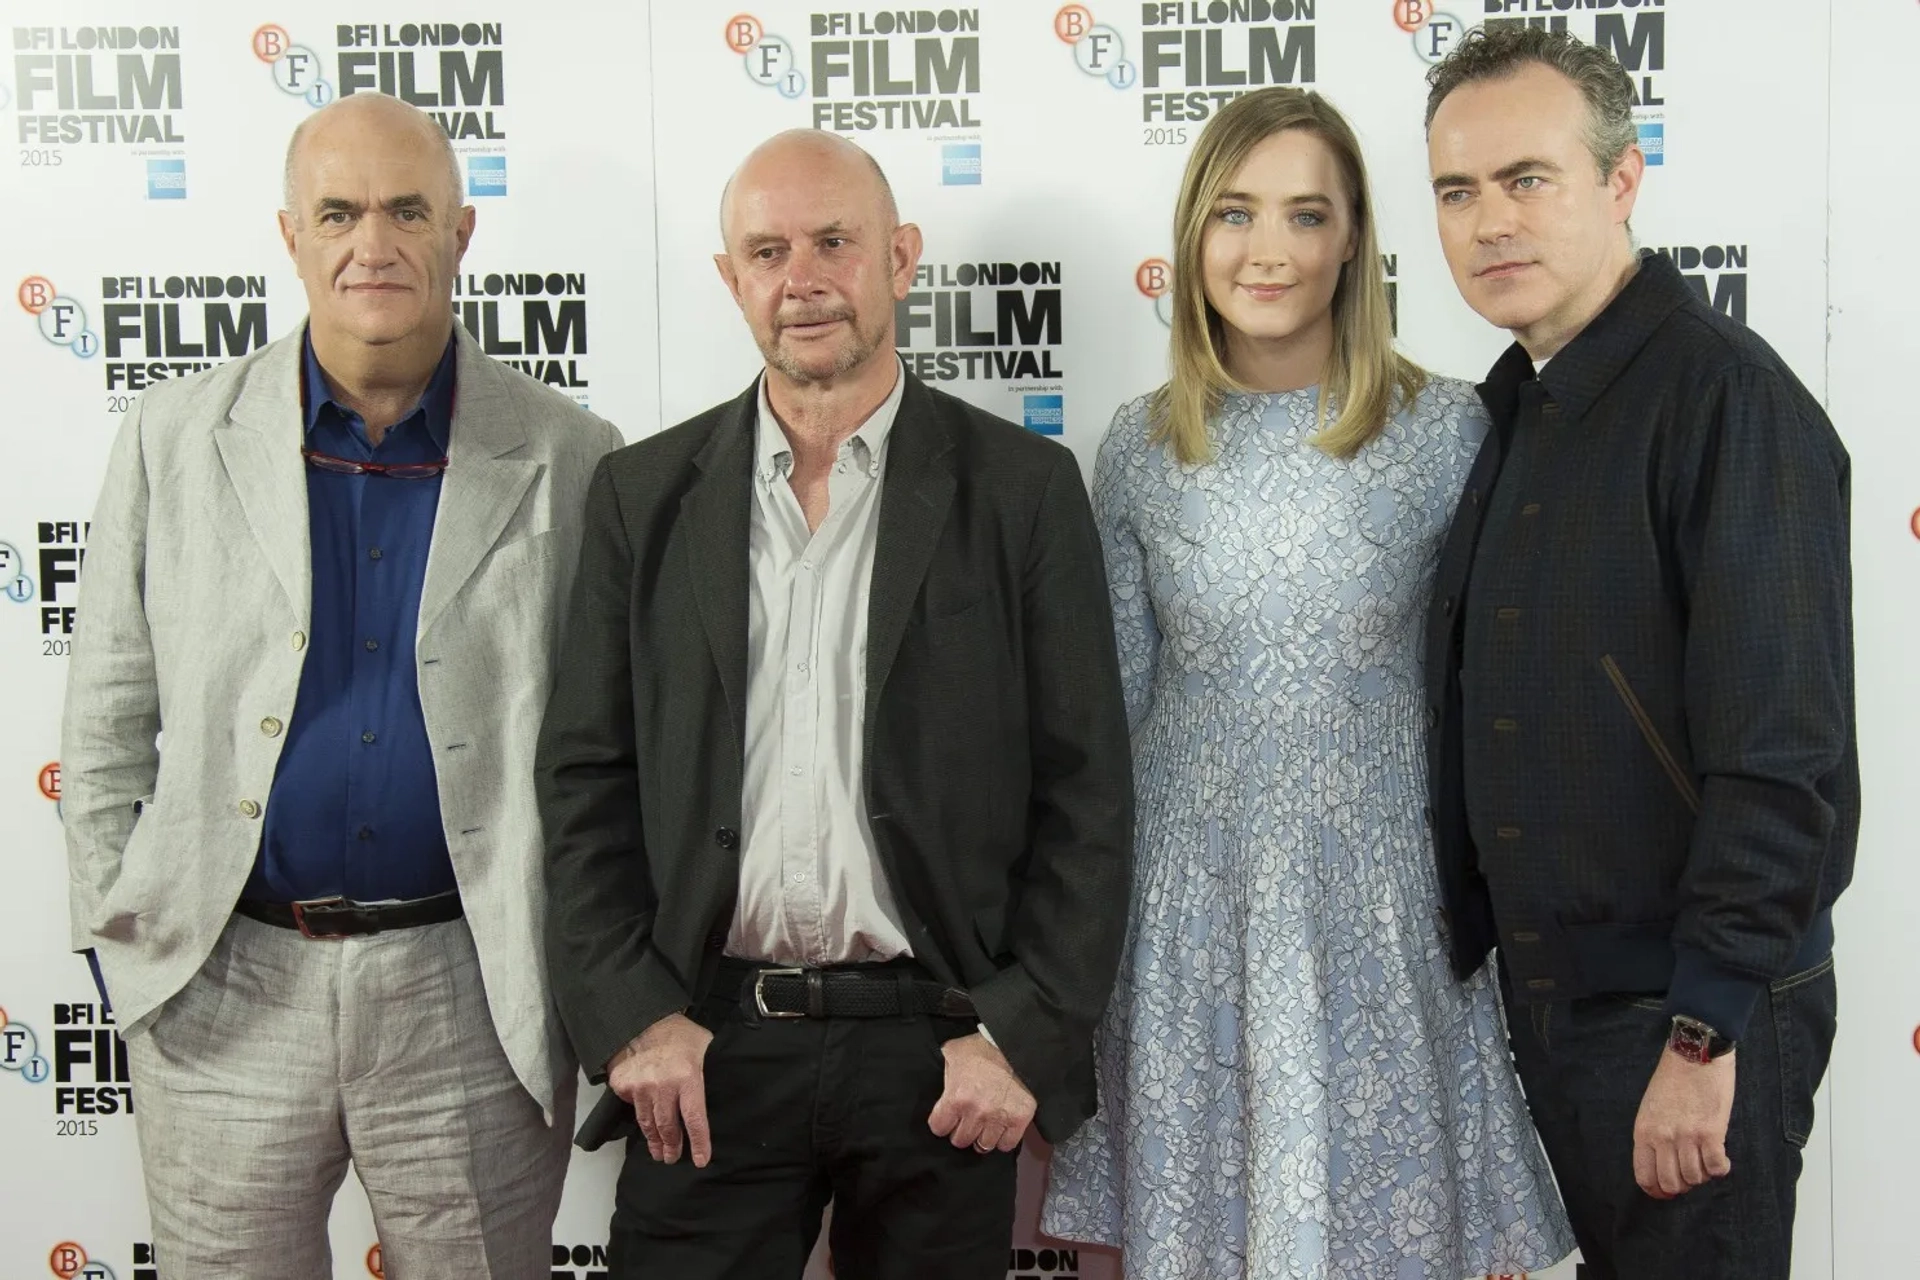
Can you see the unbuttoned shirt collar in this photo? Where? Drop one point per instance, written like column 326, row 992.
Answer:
column 1581, row 371
column 434, row 410
column 773, row 456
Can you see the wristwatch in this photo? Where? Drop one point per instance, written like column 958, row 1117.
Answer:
column 1695, row 1041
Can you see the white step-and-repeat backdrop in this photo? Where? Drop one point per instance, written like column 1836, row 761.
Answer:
column 1038, row 146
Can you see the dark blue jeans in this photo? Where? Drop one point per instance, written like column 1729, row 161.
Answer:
column 1586, row 1063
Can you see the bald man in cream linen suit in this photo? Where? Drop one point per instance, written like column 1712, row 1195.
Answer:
column 328, row 578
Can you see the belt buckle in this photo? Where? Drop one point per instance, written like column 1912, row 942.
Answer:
column 760, row 995
column 300, row 918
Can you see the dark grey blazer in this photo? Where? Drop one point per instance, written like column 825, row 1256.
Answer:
column 998, row 772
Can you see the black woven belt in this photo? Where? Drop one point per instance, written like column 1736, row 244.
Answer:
column 858, row 992
column 327, row 919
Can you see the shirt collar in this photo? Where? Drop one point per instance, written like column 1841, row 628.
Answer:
column 436, row 401
column 1587, row 365
column 773, row 456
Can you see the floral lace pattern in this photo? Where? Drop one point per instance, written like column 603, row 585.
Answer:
column 1292, row 1082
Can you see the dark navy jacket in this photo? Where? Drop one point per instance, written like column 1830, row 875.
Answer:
column 1640, row 667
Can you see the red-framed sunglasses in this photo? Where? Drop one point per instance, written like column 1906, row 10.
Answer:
column 392, row 470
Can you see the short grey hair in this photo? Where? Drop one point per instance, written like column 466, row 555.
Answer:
column 1601, row 80
column 426, row 122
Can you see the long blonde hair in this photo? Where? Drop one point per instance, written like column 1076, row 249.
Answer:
column 1365, row 375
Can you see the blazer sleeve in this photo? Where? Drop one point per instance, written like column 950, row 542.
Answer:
column 608, row 980
column 1761, row 538
column 109, row 752
column 1070, row 918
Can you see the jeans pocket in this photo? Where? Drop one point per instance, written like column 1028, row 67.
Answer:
column 1804, row 1007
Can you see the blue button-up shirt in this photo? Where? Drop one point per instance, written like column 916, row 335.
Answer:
column 354, row 808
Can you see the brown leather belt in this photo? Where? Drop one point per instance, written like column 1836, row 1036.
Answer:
column 331, row 919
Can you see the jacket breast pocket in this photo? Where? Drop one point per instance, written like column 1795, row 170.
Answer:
column 963, row 639
column 523, row 554
column 509, row 609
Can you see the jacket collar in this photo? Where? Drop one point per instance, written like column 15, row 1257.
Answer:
column 1580, row 373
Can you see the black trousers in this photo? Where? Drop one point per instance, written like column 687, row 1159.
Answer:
column 804, row 1111
column 1585, row 1065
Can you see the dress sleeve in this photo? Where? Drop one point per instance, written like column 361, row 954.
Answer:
column 1116, row 473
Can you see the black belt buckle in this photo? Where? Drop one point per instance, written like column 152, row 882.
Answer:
column 760, row 994
column 300, row 910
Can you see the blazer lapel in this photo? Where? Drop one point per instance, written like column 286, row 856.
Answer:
column 482, row 486
column 716, row 513
column 917, row 490
column 259, row 445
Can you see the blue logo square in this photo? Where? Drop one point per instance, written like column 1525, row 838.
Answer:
column 166, row 179
column 486, row 175
column 1045, row 414
column 1653, row 143
column 960, row 164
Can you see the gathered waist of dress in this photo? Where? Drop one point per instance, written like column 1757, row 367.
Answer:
column 1176, row 709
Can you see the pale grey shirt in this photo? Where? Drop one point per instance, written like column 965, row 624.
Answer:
column 812, row 890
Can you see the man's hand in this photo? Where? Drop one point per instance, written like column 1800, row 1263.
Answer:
column 984, row 1105
column 1680, row 1135
column 662, row 1075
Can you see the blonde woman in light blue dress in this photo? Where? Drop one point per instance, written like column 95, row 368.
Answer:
column 1292, row 1082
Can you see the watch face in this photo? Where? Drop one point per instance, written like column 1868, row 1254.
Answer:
column 1692, row 1040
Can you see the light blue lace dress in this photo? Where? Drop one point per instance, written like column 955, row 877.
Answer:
column 1292, row 1082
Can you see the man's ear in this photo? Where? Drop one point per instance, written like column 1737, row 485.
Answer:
column 905, row 248
column 723, row 262
column 1625, row 182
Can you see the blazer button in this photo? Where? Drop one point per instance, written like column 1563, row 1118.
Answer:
column 727, row 838
column 717, row 940
column 298, row 640
column 271, row 727
column 249, row 809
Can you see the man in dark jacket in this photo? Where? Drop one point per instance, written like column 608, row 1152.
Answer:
column 1645, row 790
column 836, row 782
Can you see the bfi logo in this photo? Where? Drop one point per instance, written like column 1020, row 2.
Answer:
column 62, row 320
column 1154, row 279
column 20, row 1051
column 68, row 1260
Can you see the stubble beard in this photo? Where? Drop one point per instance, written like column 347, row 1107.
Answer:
column 859, row 347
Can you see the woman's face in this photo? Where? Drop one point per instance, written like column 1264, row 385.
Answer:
column 1273, row 248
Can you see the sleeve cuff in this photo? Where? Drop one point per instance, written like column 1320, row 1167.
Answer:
column 1702, row 988
column 988, row 1036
